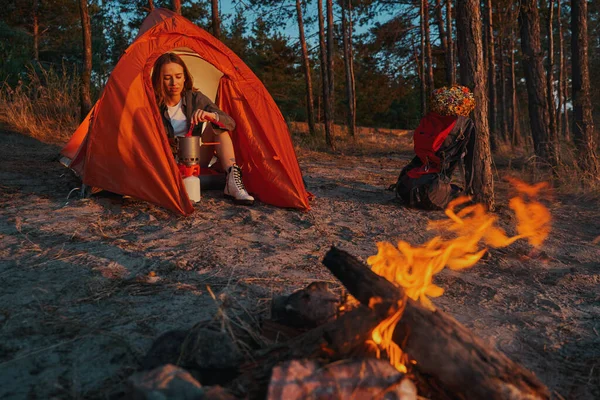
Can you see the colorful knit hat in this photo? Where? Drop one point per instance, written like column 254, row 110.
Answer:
column 454, row 100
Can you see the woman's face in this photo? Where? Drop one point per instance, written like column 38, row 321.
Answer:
column 173, row 79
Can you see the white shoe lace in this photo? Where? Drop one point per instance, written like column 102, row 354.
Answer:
column 237, row 178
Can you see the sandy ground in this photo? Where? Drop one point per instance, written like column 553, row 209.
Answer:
column 77, row 311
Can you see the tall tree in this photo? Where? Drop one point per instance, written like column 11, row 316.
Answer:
column 421, row 62
column 348, row 61
column 216, row 21
column 177, row 6
column 491, row 64
column 310, row 108
column 550, row 82
column 539, row 117
column 325, row 79
column 502, row 68
column 439, row 18
column 450, row 64
column 515, row 127
column 583, row 122
column 85, row 87
column 562, row 78
column 330, row 64
column 472, row 74
column 36, row 31
column 429, row 57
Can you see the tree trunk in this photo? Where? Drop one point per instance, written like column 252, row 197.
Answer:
column 310, row 108
column 493, row 107
column 450, row 64
column 555, row 144
column 440, row 24
column 502, row 66
column 325, row 79
column 351, row 57
column 562, row 79
column 472, row 74
column 583, row 122
column 539, row 117
column 346, row 34
column 216, row 21
column 515, row 128
column 430, row 80
column 330, row 58
column 86, row 73
column 36, row 31
column 422, row 61
column 150, row 5
column 177, row 6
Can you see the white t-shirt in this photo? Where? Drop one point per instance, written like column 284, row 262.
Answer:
column 178, row 120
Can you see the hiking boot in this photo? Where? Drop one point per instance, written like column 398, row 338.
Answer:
column 234, row 188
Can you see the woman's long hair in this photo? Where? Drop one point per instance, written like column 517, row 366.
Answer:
column 157, row 83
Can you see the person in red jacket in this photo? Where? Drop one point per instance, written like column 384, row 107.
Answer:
column 442, row 141
column 180, row 105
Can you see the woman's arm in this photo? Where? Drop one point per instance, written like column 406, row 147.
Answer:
column 204, row 109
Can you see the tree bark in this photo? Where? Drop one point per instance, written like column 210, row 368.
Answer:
column 439, row 18
column 539, row 117
column 216, row 20
column 515, row 127
column 450, row 64
column 491, row 64
column 422, row 61
column 310, row 108
column 36, row 31
column 351, row 55
column 325, row 80
column 430, row 80
column 555, row 144
column 86, row 73
column 472, row 74
column 346, row 35
column 151, row 5
column 469, row 368
column 583, row 122
column 502, row 67
column 177, row 6
column 330, row 70
column 562, row 79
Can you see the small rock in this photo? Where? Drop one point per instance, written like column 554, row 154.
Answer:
column 306, row 308
column 166, row 382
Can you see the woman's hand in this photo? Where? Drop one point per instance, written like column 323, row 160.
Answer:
column 200, row 116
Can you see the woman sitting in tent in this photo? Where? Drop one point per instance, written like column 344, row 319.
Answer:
column 442, row 141
column 181, row 105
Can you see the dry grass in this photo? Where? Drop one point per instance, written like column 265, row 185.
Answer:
column 366, row 141
column 567, row 178
column 46, row 106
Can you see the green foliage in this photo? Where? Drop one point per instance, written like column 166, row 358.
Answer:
column 277, row 65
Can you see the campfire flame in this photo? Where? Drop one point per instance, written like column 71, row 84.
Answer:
column 413, row 267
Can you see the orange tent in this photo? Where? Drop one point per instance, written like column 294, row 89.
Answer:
column 122, row 146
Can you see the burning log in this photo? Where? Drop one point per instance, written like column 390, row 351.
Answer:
column 470, row 369
column 334, row 340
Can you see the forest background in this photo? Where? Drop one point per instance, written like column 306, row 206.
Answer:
column 360, row 63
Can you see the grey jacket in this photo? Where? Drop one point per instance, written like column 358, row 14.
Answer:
column 192, row 101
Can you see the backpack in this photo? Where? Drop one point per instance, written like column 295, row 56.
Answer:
column 441, row 144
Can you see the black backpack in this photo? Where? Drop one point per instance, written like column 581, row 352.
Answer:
column 434, row 191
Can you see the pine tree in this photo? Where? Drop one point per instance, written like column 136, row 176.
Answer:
column 583, row 121
column 472, row 74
